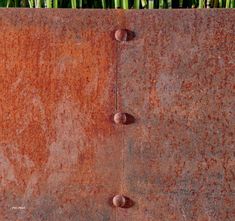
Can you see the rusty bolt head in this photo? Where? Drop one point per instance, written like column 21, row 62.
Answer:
column 120, row 118
column 121, row 35
column 119, row 201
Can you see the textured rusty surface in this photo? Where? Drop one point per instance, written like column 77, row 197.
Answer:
column 179, row 156
column 61, row 155
column 56, row 139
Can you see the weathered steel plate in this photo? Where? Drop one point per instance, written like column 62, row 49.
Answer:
column 177, row 78
column 58, row 146
column 62, row 157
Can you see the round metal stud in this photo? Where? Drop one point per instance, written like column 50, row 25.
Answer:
column 121, row 35
column 120, row 118
column 119, row 201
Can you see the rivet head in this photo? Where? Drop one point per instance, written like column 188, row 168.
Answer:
column 119, row 201
column 120, row 118
column 121, row 35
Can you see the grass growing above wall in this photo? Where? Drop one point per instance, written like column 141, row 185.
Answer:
column 124, row 4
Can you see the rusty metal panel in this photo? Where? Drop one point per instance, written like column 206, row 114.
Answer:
column 177, row 79
column 63, row 76
column 58, row 145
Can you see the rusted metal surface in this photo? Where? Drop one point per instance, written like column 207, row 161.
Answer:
column 177, row 78
column 58, row 143
column 64, row 76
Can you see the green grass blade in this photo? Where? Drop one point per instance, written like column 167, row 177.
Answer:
column 104, row 4
column 116, row 3
column 144, row 3
column 48, row 3
column 8, row 3
column 163, row 4
column 125, row 4
column 136, row 4
column 220, row 3
column 73, row 3
column 201, row 4
column 151, row 4
column 31, row 3
column 169, row 4
column 228, row 4
column 38, row 4
column 55, row 4
column 181, row 2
